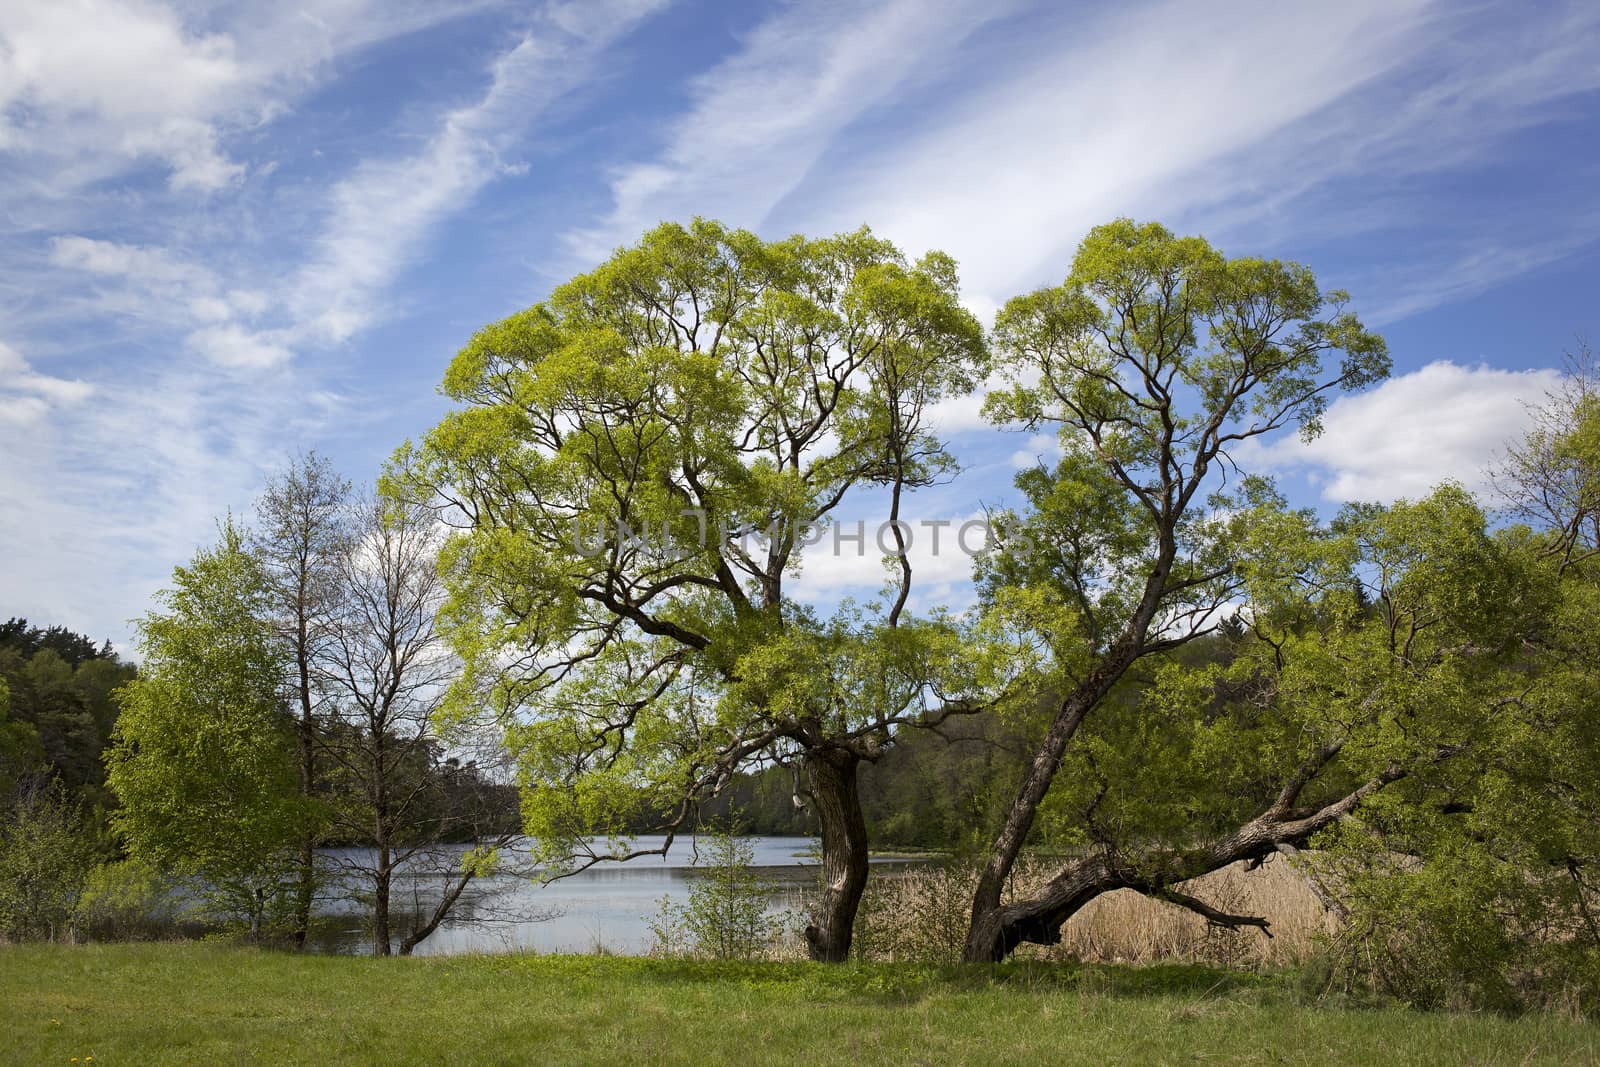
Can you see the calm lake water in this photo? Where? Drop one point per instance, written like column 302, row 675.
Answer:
column 604, row 906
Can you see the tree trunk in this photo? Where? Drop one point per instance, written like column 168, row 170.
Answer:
column 422, row 932
column 258, row 906
column 831, row 773
column 308, row 773
column 380, row 904
column 982, row 934
column 1039, row 918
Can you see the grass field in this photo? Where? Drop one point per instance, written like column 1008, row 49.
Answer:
column 209, row 1004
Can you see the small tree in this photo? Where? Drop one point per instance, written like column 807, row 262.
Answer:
column 727, row 916
column 386, row 667
column 47, row 849
column 299, row 538
column 203, row 761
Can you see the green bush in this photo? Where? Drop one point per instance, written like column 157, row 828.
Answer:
column 127, row 900
column 1461, row 930
column 726, row 917
column 47, row 849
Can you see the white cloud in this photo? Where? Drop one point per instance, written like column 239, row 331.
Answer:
column 955, row 414
column 149, row 282
column 1040, row 448
column 144, row 265
column 232, row 345
column 26, row 395
column 129, row 74
column 851, row 558
column 1445, row 421
column 91, row 88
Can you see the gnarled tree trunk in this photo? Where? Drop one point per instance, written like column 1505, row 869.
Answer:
column 1039, row 918
column 1036, row 780
column 831, row 775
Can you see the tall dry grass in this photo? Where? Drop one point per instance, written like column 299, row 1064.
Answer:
column 921, row 914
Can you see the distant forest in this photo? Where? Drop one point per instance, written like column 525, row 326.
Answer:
column 62, row 714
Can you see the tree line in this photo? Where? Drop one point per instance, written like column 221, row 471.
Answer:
column 287, row 699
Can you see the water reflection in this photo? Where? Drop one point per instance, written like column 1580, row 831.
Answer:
column 604, row 907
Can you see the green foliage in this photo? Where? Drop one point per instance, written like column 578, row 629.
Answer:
column 1155, row 359
column 634, row 467
column 128, row 899
column 1471, row 881
column 203, row 760
column 727, row 914
column 943, row 790
column 47, row 849
column 59, row 712
column 20, row 751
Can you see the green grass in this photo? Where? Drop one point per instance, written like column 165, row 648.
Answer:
column 212, row 1004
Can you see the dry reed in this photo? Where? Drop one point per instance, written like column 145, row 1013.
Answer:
column 921, row 914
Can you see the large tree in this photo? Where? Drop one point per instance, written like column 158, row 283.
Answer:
column 203, row 763
column 1158, row 361
column 636, row 466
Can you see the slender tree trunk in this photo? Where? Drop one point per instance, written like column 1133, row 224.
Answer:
column 306, row 886
column 380, row 903
column 440, row 911
column 831, row 773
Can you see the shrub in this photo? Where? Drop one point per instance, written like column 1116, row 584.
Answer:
column 47, row 848
column 127, row 900
column 727, row 914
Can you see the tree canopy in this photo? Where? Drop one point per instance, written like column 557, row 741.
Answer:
column 201, row 764
column 635, row 468
column 1155, row 361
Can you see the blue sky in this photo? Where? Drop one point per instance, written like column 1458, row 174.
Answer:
column 228, row 232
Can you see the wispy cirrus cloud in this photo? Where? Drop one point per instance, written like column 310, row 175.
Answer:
column 380, row 214
column 761, row 120
column 222, row 331
column 1216, row 115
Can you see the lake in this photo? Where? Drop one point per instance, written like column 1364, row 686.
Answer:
column 604, row 907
